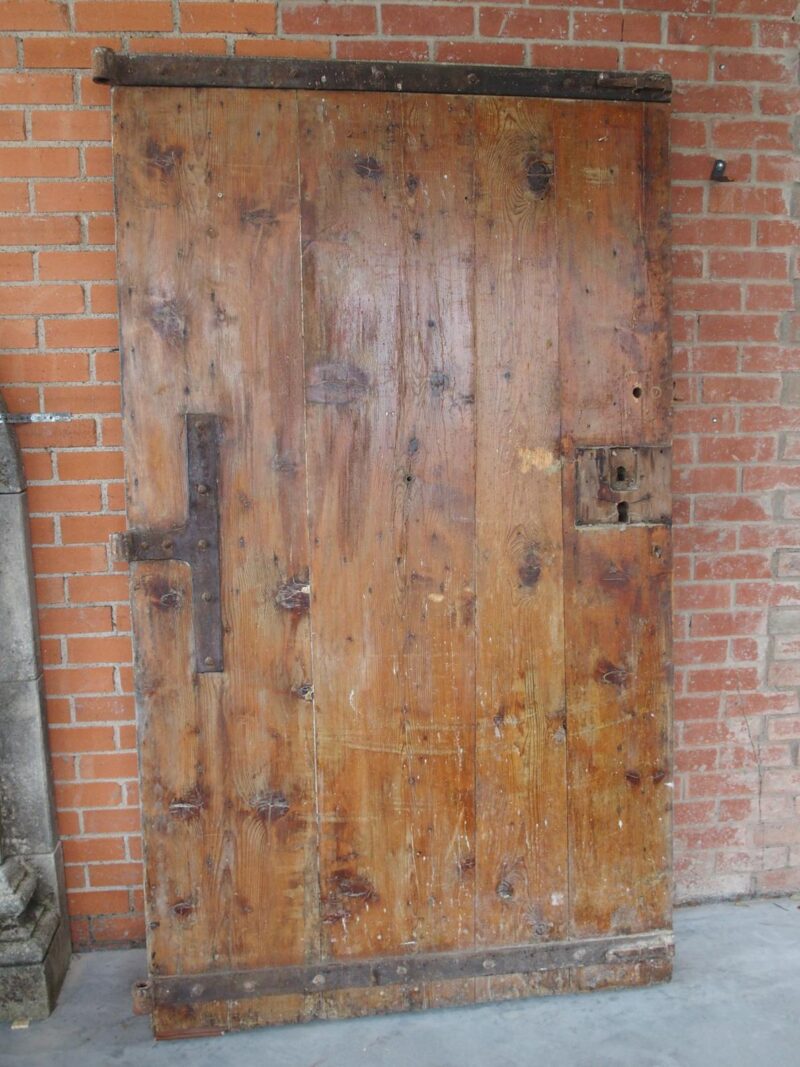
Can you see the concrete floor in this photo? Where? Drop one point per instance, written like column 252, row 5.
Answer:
column 734, row 1001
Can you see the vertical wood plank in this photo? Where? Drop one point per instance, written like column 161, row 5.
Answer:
column 614, row 357
column 209, row 252
column 388, row 259
column 521, row 850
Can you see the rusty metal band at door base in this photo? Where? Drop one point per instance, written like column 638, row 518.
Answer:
column 181, row 990
column 270, row 72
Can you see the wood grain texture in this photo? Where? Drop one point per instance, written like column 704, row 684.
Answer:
column 521, row 742
column 388, row 233
column 444, row 716
column 207, row 194
column 614, row 358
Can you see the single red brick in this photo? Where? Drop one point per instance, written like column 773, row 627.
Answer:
column 76, row 266
column 18, row 333
column 769, row 297
column 736, row 327
column 73, row 620
column 90, row 529
column 75, row 196
column 57, row 498
column 241, row 17
column 80, row 466
column 102, row 709
column 754, row 134
column 63, row 681
column 112, row 765
column 709, row 32
column 694, row 595
column 741, row 390
column 598, row 26
column 33, row 15
column 519, row 22
column 82, row 398
column 102, row 230
column 690, row 709
column 54, row 367
column 41, row 299
column 112, row 821
column 714, row 99
column 730, row 199
column 94, row 589
column 101, row 649
column 74, row 739
column 93, row 15
column 14, row 196
column 730, row 783
column 580, row 57
column 39, row 162
column 303, row 49
column 775, row 168
column 779, row 101
column 706, row 480
column 694, row 651
column 750, row 66
column 737, row 565
column 65, row 52
column 698, row 759
column 12, row 125
column 409, row 51
column 94, row 849
column 118, row 929
column 706, row 296
column 16, row 266
column 98, row 902
column 115, row 874
column 69, row 559
column 734, row 449
column 205, row 46
column 82, row 125
column 478, row 52
column 92, row 94
column 729, row 509
column 683, row 65
column 783, row 34
column 35, row 89
column 332, row 19
column 426, row 20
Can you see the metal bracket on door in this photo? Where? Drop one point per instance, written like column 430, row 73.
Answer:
column 196, row 542
column 627, row 485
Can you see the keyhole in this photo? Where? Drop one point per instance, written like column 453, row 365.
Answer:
column 637, row 391
column 622, row 474
column 622, row 511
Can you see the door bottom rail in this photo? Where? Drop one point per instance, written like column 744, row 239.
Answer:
column 186, row 990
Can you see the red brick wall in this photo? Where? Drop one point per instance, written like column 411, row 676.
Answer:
column 737, row 478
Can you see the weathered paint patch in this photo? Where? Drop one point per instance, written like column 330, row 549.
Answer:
column 538, row 459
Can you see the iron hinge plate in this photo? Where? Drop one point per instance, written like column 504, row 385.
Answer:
column 196, row 542
column 623, row 485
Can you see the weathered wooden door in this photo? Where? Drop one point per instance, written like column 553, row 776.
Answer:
column 396, row 387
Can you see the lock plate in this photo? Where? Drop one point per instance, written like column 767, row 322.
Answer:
column 196, row 542
column 623, row 485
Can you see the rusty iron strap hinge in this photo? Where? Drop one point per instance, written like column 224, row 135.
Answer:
column 196, row 542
